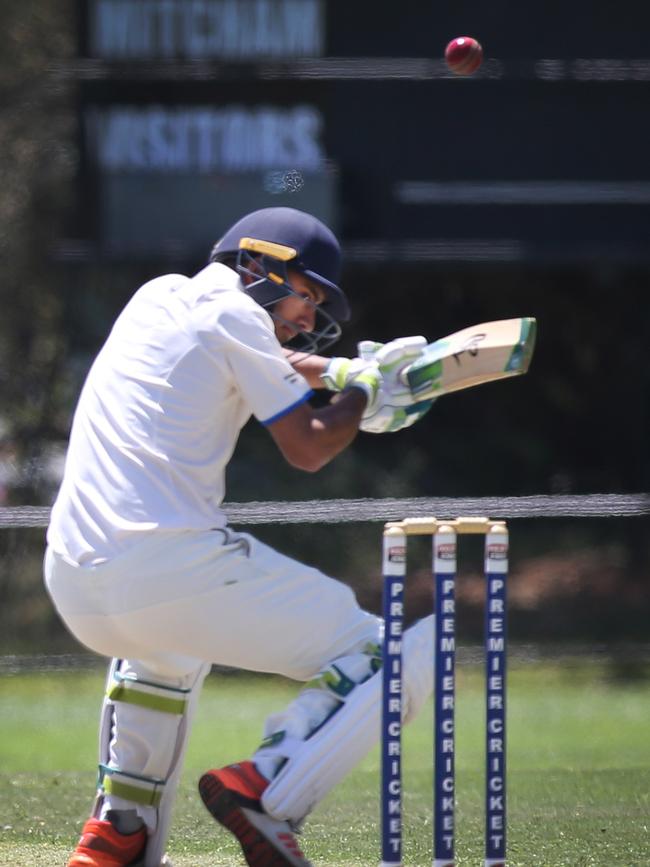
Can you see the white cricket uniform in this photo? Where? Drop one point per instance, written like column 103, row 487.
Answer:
column 140, row 562
column 142, row 567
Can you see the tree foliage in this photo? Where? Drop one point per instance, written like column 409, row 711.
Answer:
column 37, row 128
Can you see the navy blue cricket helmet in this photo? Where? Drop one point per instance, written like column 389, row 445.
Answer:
column 278, row 239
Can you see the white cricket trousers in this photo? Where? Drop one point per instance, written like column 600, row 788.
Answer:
column 174, row 601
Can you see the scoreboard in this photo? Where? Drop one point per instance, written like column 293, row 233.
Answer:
column 193, row 112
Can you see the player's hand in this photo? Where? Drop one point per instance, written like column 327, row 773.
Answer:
column 389, row 408
column 392, row 358
column 341, row 371
column 388, row 419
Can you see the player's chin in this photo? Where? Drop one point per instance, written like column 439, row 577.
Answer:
column 286, row 333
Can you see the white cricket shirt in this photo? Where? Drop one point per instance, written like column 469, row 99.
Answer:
column 184, row 367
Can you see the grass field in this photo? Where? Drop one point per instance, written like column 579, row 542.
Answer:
column 578, row 771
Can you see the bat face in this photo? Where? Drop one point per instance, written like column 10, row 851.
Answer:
column 481, row 353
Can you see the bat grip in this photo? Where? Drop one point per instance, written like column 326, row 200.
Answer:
column 404, row 375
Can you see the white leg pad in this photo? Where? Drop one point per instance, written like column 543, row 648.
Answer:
column 321, row 761
column 143, row 735
column 154, row 855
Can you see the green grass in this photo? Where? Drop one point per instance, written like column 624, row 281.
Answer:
column 578, row 771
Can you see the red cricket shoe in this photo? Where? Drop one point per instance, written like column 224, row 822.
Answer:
column 232, row 795
column 102, row 846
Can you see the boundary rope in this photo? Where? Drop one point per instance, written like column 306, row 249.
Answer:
column 391, row 509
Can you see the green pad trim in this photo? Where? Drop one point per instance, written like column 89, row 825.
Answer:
column 334, row 680
column 374, row 651
column 147, row 791
column 131, row 694
column 273, row 740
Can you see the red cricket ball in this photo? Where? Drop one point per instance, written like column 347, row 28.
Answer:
column 464, row 55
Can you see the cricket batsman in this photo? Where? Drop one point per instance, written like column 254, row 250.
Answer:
column 143, row 568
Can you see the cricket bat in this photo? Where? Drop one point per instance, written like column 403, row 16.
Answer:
column 482, row 353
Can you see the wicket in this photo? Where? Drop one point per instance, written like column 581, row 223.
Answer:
column 444, row 564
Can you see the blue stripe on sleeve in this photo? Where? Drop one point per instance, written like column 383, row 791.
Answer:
column 288, row 409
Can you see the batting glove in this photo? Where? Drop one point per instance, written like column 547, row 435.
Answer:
column 392, row 358
column 388, row 419
column 384, row 413
column 394, row 407
column 341, row 371
column 370, row 381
